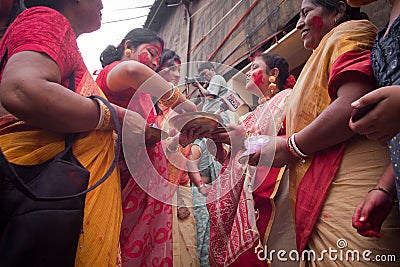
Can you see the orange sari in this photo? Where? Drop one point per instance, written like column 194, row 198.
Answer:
column 35, row 30
column 325, row 189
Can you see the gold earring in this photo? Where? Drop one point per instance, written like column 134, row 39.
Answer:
column 272, row 84
column 128, row 52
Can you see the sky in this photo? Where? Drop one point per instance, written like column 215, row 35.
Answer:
column 133, row 14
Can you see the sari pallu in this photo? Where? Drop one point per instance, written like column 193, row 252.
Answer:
column 312, row 182
column 234, row 229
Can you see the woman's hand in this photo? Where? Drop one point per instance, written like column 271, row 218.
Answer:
column 204, row 190
column 184, row 105
column 381, row 123
column 187, row 136
column 371, row 212
column 281, row 158
column 234, row 136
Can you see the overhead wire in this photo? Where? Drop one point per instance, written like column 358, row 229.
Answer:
column 124, row 19
column 215, row 26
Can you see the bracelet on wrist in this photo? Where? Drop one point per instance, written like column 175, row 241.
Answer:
column 383, row 190
column 292, row 150
column 172, row 99
column 201, row 186
column 104, row 117
column 296, row 148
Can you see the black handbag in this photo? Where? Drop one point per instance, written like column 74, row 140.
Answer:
column 42, row 207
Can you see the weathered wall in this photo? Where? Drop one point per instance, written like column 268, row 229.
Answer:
column 209, row 27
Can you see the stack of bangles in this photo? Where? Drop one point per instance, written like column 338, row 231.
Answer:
column 294, row 149
column 173, row 98
column 105, row 116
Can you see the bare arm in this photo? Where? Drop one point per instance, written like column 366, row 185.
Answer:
column 136, row 75
column 30, row 89
column 331, row 126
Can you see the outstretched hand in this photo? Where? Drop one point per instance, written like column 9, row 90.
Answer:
column 184, row 105
column 371, row 213
column 281, row 154
column 381, row 123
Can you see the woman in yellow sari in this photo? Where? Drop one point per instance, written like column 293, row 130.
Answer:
column 41, row 61
column 331, row 168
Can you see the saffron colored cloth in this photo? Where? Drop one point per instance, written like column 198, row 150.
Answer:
column 241, row 200
column 312, row 184
column 146, row 231
column 46, row 31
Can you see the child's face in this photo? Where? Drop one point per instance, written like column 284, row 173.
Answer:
column 358, row 3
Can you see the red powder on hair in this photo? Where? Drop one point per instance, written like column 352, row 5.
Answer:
column 317, row 22
column 258, row 77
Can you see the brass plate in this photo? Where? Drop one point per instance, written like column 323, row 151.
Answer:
column 207, row 122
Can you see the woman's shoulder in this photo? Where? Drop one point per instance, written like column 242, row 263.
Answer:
column 355, row 29
column 41, row 14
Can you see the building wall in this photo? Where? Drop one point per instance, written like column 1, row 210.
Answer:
column 211, row 21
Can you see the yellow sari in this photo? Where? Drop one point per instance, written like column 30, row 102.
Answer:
column 325, row 190
column 21, row 144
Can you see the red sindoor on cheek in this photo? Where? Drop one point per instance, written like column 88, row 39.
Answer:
column 258, row 77
column 145, row 59
column 317, row 22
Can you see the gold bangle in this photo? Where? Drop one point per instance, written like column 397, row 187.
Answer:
column 105, row 116
column 101, row 115
column 172, row 92
column 173, row 99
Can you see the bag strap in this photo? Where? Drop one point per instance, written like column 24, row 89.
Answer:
column 10, row 170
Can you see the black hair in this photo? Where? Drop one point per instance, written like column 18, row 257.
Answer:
column 167, row 59
column 276, row 61
column 137, row 37
column 205, row 66
column 17, row 7
column 48, row 3
column 351, row 13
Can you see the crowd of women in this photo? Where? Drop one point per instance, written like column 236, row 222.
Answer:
column 298, row 174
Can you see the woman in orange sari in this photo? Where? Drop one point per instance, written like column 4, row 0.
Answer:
column 41, row 62
column 248, row 207
column 331, row 168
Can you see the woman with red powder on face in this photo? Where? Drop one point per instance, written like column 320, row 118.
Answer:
column 331, row 168
column 146, row 232
column 255, row 213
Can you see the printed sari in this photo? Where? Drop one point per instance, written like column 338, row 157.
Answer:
column 146, row 231
column 241, row 202
column 326, row 189
column 23, row 144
